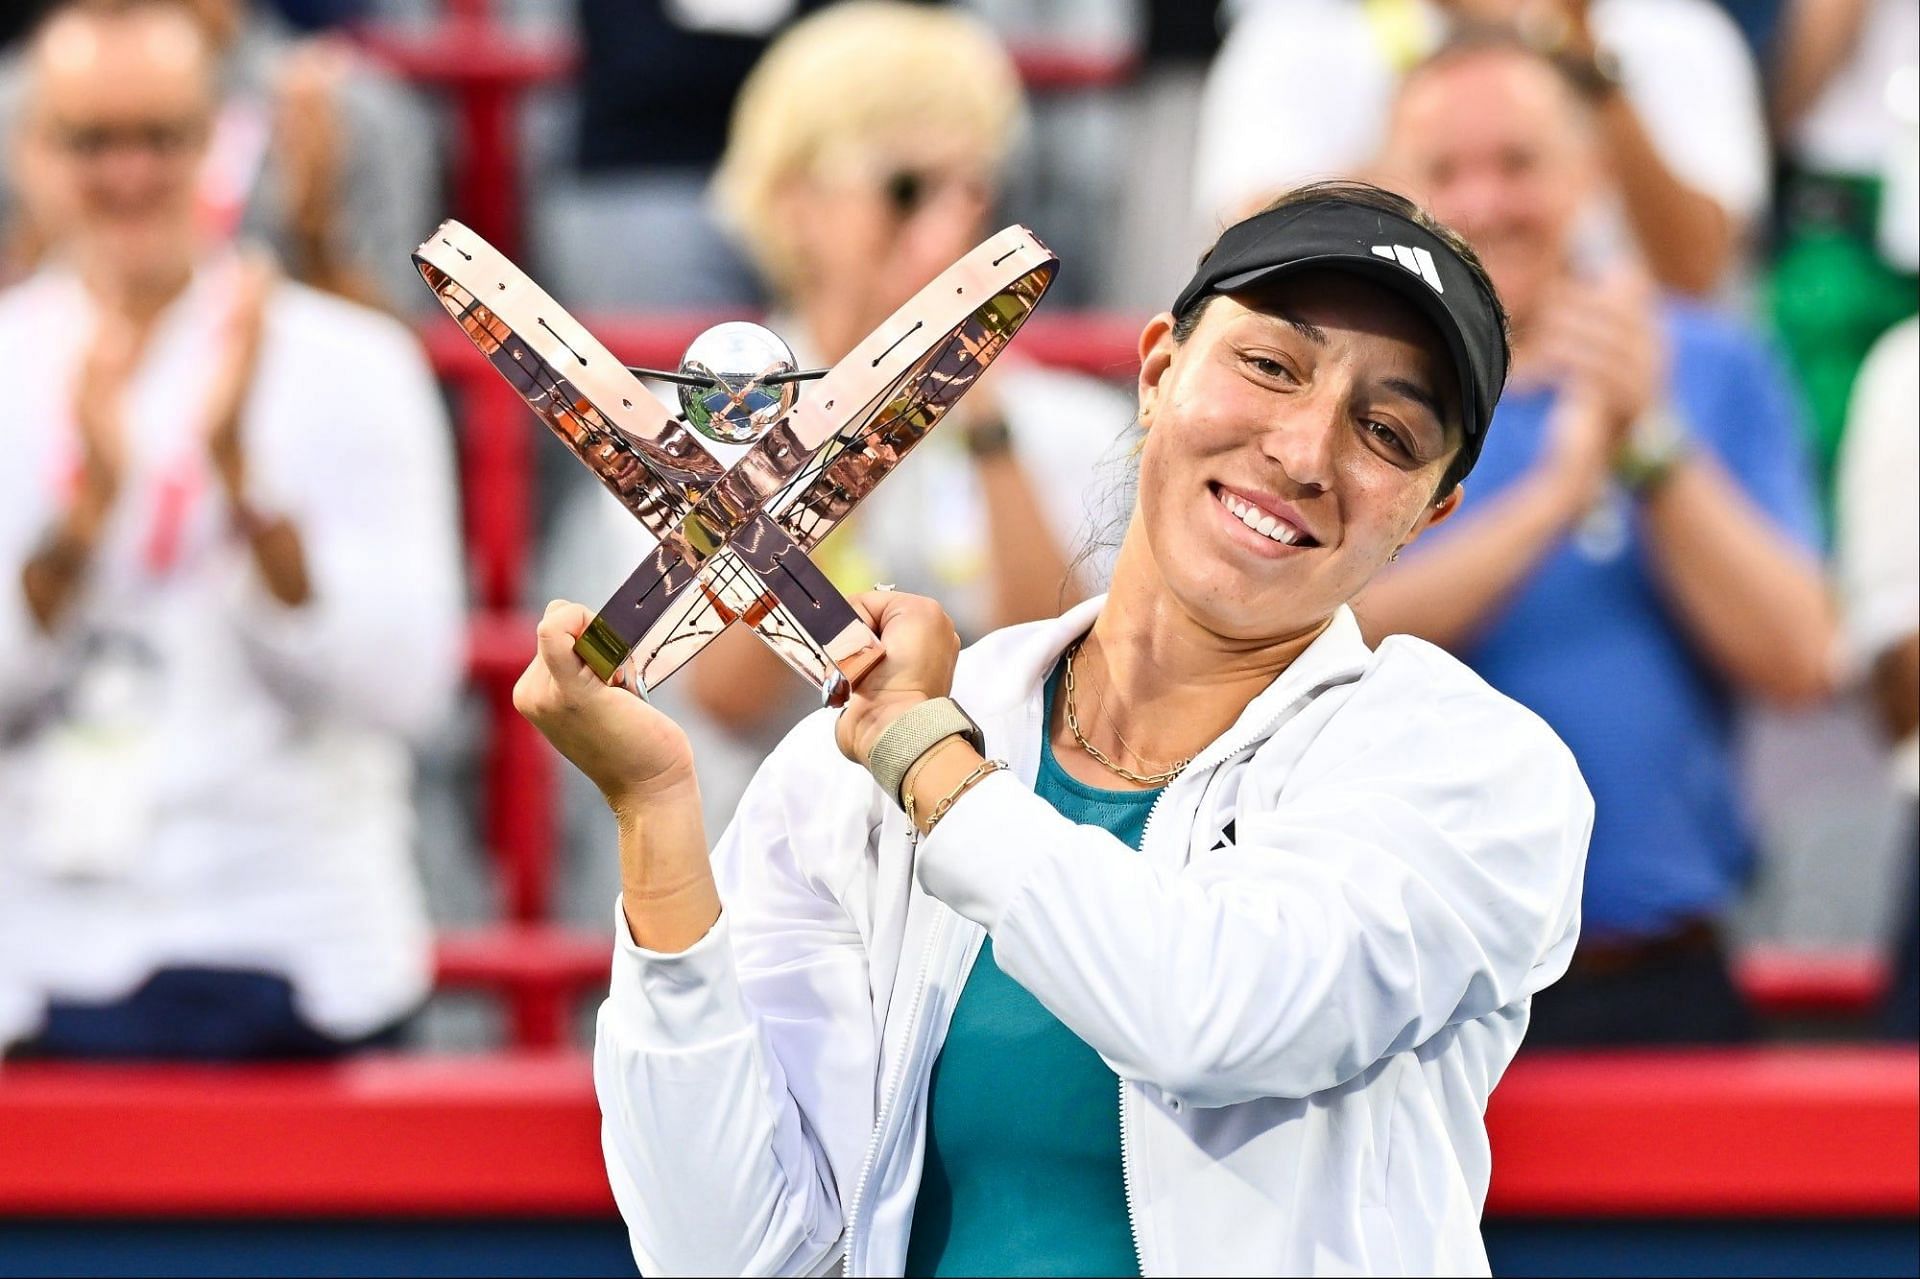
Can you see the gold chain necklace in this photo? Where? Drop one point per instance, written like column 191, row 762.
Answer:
column 1073, row 725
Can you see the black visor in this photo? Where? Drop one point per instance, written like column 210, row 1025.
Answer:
column 1339, row 235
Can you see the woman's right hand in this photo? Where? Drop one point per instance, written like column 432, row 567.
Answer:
column 631, row 751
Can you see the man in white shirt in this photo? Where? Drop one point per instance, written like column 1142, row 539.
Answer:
column 231, row 591
column 314, row 150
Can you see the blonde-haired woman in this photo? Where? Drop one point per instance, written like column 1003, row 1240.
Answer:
column 865, row 145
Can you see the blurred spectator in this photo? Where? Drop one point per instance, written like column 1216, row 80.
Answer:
column 1636, row 548
column 1302, row 90
column 1879, row 553
column 849, row 201
column 314, row 151
column 228, row 527
column 1844, row 103
column 657, row 80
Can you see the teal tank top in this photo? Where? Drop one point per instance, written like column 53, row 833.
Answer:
column 1022, row 1173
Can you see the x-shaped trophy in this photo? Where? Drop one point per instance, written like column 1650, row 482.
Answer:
column 731, row 543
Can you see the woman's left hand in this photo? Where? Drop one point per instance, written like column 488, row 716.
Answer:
column 921, row 648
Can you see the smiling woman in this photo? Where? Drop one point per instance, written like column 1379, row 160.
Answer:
column 1194, row 848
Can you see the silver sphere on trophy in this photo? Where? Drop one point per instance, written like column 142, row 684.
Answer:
column 736, row 380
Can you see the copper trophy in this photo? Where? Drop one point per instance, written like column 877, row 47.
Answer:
column 731, row 543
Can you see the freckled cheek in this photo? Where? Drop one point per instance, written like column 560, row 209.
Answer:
column 1183, row 444
column 1201, row 437
column 1213, row 405
column 1378, row 512
column 1169, row 493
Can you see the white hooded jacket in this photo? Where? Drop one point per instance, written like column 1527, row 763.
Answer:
column 1308, row 979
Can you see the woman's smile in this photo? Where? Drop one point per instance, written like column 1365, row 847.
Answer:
column 1251, row 519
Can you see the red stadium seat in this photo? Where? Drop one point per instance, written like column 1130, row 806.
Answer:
column 540, row 972
column 1785, row 982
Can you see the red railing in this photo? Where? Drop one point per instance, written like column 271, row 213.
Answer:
column 1803, row 1132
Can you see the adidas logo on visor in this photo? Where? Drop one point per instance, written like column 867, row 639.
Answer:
column 1418, row 261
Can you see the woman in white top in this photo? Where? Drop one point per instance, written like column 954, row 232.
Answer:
column 995, row 1015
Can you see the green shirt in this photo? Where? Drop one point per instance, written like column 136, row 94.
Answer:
column 1022, row 1172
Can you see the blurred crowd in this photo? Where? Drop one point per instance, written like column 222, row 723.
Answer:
column 232, row 591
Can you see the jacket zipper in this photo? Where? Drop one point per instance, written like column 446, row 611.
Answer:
column 894, row 1079
column 1126, row 1164
column 1126, row 1182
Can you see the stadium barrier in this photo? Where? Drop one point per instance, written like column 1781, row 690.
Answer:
column 1817, row 1131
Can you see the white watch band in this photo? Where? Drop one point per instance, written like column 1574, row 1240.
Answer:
column 913, row 735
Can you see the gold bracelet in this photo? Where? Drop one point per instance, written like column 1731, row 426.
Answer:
column 952, row 797
column 913, row 770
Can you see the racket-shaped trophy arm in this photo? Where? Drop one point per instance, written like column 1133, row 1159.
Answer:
column 731, row 542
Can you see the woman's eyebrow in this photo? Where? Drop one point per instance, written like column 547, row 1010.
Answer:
column 1420, row 394
column 1311, row 332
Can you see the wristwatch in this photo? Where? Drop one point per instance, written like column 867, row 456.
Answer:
column 989, row 438
column 1655, row 445
column 63, row 551
column 914, row 734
